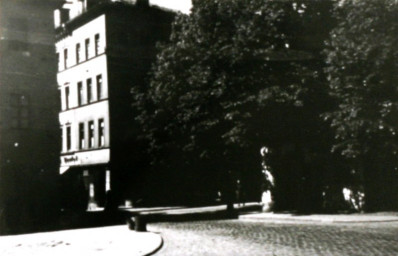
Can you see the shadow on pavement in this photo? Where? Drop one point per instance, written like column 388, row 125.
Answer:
column 68, row 220
column 71, row 220
column 77, row 219
column 191, row 215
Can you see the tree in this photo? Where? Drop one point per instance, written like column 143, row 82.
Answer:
column 362, row 72
column 235, row 76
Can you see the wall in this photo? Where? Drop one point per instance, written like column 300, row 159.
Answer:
column 28, row 114
column 78, row 71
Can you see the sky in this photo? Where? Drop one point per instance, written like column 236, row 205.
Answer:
column 181, row 5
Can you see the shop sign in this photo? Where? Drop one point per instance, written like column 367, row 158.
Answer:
column 70, row 159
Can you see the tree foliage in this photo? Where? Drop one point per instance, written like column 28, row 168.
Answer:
column 236, row 75
column 362, row 72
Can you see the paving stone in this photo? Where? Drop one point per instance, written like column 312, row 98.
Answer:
column 236, row 237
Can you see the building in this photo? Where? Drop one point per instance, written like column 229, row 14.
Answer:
column 28, row 112
column 103, row 48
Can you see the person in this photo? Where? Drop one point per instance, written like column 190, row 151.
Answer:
column 239, row 194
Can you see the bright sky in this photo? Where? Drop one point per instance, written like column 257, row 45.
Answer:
column 181, row 5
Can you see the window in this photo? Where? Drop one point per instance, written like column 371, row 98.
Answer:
column 58, row 61
column 61, row 99
column 90, row 134
column 19, row 111
column 65, row 58
column 99, row 87
column 101, row 133
column 67, row 95
column 87, row 44
column 89, row 90
column 80, row 94
column 68, row 138
column 63, row 137
column 24, row 117
column 78, row 53
column 81, row 136
column 107, row 180
column 97, row 44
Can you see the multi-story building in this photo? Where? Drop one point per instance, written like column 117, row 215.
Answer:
column 104, row 48
column 28, row 112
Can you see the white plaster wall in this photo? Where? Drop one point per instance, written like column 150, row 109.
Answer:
column 79, row 35
column 74, row 73
column 92, row 112
column 100, row 156
column 80, row 73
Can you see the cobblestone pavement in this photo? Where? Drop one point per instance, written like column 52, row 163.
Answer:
column 236, row 237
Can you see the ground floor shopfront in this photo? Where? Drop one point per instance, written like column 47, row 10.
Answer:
column 86, row 179
column 86, row 187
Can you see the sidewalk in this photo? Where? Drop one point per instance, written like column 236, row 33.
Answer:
column 180, row 210
column 322, row 218
column 114, row 240
column 250, row 211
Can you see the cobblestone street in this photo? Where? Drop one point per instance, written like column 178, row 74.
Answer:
column 237, row 237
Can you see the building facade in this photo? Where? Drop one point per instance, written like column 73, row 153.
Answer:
column 28, row 112
column 103, row 49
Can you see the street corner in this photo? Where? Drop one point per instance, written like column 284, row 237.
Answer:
column 135, row 243
column 117, row 240
column 145, row 243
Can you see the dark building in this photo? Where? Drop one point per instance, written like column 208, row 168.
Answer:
column 28, row 113
column 104, row 48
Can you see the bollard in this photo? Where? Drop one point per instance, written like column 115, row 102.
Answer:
column 140, row 223
column 130, row 223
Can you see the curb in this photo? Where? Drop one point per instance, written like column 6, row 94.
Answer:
column 292, row 219
column 158, row 248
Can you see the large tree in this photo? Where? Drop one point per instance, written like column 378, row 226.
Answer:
column 362, row 59
column 238, row 75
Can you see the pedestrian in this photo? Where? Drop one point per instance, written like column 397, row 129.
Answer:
column 238, row 193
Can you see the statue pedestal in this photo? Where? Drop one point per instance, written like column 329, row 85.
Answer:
column 266, row 201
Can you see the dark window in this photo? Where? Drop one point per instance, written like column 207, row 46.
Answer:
column 67, row 95
column 61, row 99
column 99, row 87
column 89, row 90
column 81, row 136
column 58, row 61
column 101, row 133
column 90, row 134
column 78, row 53
column 68, row 138
column 97, row 44
column 87, row 49
column 65, row 58
column 19, row 111
column 24, row 117
column 62, row 136
column 80, row 94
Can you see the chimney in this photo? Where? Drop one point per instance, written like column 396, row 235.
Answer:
column 60, row 16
